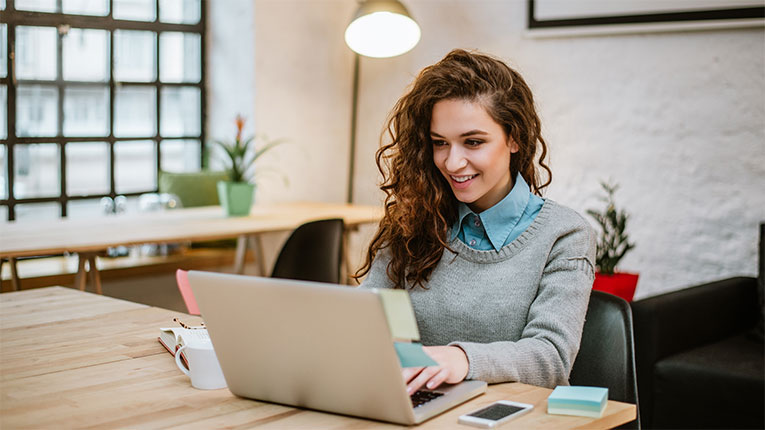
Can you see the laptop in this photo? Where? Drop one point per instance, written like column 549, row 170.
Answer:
column 312, row 345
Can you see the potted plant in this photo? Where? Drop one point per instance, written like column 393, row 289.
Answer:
column 613, row 244
column 237, row 193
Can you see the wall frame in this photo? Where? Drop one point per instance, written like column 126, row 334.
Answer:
column 561, row 17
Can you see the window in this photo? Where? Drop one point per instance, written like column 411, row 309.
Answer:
column 96, row 98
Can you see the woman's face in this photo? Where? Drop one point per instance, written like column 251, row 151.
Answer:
column 472, row 152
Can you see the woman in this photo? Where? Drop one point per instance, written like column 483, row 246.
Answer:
column 499, row 278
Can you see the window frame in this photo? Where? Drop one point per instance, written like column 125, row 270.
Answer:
column 13, row 18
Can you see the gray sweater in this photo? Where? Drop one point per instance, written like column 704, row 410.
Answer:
column 518, row 312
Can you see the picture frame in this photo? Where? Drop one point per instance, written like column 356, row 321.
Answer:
column 559, row 17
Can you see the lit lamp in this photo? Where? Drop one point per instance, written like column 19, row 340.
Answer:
column 380, row 29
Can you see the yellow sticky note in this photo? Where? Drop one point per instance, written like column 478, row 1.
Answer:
column 400, row 315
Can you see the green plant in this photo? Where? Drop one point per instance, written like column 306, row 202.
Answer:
column 613, row 243
column 240, row 155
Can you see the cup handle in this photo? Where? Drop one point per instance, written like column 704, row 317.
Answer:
column 178, row 360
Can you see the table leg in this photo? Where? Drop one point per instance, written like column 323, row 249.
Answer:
column 15, row 284
column 95, row 276
column 241, row 253
column 80, row 278
column 256, row 244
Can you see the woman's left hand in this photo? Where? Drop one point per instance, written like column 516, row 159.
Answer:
column 452, row 368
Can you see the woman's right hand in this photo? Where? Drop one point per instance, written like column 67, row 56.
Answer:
column 452, row 368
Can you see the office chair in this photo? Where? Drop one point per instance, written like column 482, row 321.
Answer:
column 313, row 252
column 607, row 356
column 193, row 188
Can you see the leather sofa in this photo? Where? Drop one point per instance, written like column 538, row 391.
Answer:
column 699, row 355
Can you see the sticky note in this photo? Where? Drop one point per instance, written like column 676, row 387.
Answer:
column 182, row 277
column 399, row 313
column 412, row 355
column 578, row 400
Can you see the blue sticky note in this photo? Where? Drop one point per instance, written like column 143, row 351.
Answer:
column 412, row 355
column 577, row 400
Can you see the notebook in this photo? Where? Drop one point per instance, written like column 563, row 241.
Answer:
column 319, row 346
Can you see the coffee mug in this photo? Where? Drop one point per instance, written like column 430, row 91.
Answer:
column 204, row 369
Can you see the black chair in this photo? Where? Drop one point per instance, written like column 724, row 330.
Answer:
column 606, row 356
column 699, row 354
column 700, row 366
column 312, row 253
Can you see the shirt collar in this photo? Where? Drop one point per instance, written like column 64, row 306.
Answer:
column 500, row 219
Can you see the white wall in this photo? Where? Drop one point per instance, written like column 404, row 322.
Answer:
column 230, row 67
column 303, row 94
column 676, row 118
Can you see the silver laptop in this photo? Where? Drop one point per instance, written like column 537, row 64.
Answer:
column 318, row 346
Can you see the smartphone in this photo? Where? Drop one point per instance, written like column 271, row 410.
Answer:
column 495, row 414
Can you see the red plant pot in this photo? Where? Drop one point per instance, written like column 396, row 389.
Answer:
column 618, row 284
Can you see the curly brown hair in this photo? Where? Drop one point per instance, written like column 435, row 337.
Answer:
column 420, row 206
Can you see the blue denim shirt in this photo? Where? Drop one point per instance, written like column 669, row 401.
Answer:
column 500, row 224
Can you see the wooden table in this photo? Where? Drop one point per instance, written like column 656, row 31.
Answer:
column 70, row 359
column 88, row 238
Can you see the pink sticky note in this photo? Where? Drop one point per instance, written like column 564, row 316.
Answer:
column 182, row 277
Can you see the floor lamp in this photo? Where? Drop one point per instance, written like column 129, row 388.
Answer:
column 379, row 29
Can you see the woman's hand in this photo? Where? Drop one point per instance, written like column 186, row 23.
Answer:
column 452, row 368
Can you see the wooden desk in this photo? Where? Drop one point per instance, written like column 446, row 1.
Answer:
column 89, row 237
column 70, row 359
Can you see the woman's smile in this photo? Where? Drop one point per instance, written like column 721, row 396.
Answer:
column 462, row 181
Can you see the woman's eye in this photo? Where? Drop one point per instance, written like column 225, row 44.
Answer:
column 473, row 142
column 438, row 143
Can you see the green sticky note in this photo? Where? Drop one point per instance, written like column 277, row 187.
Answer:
column 399, row 313
column 412, row 355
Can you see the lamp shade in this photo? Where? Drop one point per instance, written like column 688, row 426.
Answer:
column 382, row 28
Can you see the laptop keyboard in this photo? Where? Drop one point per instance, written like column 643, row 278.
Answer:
column 419, row 398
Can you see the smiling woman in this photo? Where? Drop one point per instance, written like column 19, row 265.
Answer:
column 499, row 277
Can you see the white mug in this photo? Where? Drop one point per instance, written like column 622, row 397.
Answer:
column 204, row 369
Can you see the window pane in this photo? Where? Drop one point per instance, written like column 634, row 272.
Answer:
column 3, row 175
column 134, row 53
column 86, row 55
column 180, row 57
column 87, row 168
column 86, row 111
column 38, row 211
column 36, row 170
column 36, row 52
column 2, row 4
column 3, row 214
column 89, row 208
column 179, row 11
column 135, row 166
column 36, row 5
column 36, row 110
column 86, row 7
column 135, row 112
column 180, row 114
column 180, row 156
column 3, row 50
column 135, row 10
column 3, row 112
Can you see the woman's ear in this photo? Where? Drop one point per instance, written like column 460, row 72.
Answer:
column 513, row 145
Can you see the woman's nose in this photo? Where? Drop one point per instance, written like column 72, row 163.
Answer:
column 455, row 159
